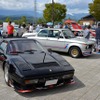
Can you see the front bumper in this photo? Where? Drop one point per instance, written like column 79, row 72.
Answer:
column 42, row 83
column 31, row 88
column 87, row 53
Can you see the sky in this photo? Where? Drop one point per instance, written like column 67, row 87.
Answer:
column 73, row 6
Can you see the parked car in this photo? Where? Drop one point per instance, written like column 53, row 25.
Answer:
column 28, row 66
column 92, row 33
column 65, row 41
column 29, row 34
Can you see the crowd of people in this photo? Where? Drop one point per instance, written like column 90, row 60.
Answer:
column 30, row 27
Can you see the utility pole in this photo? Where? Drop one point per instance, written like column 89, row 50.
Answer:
column 35, row 11
column 53, row 12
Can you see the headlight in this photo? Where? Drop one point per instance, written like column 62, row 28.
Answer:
column 67, row 76
column 31, row 81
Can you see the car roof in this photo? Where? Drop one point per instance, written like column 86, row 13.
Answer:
column 10, row 39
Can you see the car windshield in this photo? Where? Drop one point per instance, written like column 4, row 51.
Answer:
column 68, row 34
column 21, row 46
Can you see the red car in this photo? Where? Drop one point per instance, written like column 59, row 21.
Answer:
column 93, row 33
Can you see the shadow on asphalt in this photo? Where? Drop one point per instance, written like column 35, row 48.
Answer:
column 62, row 53
column 65, row 88
column 93, row 56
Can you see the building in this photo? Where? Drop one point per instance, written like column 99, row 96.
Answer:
column 87, row 20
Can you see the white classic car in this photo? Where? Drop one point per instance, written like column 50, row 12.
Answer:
column 65, row 41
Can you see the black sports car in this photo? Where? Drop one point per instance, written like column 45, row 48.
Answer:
column 28, row 66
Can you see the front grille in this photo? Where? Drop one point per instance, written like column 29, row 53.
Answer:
column 42, row 65
column 89, row 46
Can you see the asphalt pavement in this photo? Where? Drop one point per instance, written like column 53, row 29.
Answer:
column 86, row 87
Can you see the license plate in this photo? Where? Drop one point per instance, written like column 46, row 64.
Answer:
column 50, row 82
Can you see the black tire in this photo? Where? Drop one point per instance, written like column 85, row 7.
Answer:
column 75, row 52
column 6, row 74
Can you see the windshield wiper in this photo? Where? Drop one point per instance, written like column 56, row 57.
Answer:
column 30, row 50
column 15, row 52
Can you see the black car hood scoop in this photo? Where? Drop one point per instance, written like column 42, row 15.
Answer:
column 46, row 64
column 38, row 60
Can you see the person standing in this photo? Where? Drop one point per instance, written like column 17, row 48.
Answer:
column 65, row 26
column 10, row 30
column 31, row 28
column 87, row 32
column 22, row 29
column 98, row 38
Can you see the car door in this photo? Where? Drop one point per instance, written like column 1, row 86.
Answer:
column 56, row 40
column 42, row 36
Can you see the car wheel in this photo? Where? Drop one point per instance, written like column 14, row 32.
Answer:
column 75, row 52
column 6, row 74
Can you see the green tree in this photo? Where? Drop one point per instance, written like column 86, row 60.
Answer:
column 1, row 21
column 8, row 19
column 41, row 20
column 23, row 19
column 58, row 11
column 94, row 9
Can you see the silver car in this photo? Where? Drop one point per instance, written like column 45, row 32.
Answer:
column 64, row 40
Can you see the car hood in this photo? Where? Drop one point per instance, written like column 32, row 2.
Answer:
column 29, row 34
column 81, row 40
column 40, row 63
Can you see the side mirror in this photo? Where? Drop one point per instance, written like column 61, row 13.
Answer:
column 66, row 37
column 11, row 69
column 49, row 50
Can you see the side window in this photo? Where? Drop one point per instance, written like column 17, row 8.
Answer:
column 51, row 34
column 3, row 46
column 54, row 34
column 68, row 34
column 43, row 33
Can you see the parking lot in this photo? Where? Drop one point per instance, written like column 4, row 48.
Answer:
column 86, row 87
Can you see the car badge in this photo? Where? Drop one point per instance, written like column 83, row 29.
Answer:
column 50, row 70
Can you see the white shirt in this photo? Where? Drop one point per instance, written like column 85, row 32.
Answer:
column 31, row 29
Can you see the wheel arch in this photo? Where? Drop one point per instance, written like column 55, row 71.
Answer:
column 79, row 49
column 4, row 64
column 74, row 46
